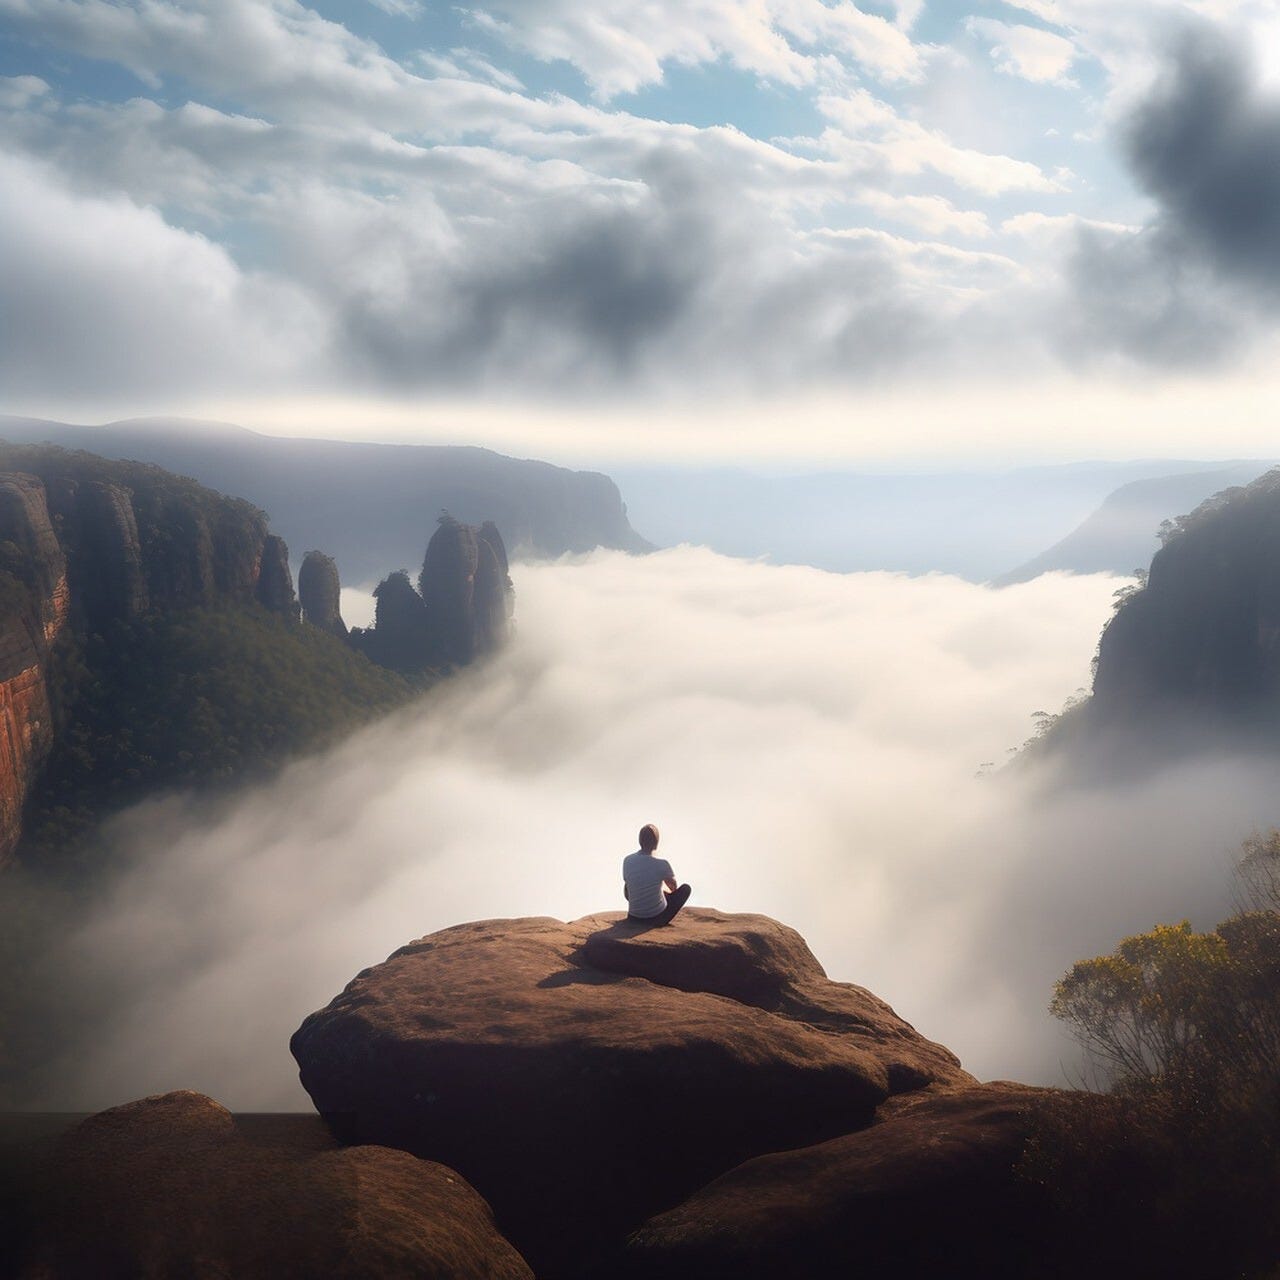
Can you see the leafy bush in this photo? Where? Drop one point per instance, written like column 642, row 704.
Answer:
column 1186, row 1027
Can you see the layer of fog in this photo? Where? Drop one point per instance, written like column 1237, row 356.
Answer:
column 808, row 744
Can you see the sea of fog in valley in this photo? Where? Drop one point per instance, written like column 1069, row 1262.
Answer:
column 811, row 746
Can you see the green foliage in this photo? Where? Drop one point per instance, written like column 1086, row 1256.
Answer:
column 194, row 697
column 1187, row 1027
column 1140, row 1010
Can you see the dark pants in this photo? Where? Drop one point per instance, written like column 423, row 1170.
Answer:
column 675, row 901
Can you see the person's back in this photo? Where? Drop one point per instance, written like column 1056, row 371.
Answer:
column 643, row 879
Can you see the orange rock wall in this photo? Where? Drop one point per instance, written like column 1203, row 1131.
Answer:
column 26, row 737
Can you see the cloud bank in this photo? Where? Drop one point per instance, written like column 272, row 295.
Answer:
column 277, row 203
column 808, row 743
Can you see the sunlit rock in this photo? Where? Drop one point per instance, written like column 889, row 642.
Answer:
column 598, row 1071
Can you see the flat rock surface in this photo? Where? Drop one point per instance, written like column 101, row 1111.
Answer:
column 930, row 1191
column 597, row 1072
column 175, row 1186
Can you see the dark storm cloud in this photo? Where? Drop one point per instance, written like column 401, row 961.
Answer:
column 1147, row 296
column 1202, row 279
column 1206, row 145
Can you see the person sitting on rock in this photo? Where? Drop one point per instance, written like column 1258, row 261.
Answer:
column 643, row 878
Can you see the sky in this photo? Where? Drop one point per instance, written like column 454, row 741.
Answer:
column 711, row 229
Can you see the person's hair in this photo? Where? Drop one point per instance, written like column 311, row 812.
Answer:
column 649, row 837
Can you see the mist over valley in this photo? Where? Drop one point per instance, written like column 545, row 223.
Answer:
column 809, row 743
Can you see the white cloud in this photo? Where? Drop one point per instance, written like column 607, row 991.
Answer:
column 867, row 128
column 605, row 256
column 415, row 215
column 621, row 47
column 400, row 8
column 109, row 296
column 1029, row 52
column 20, row 91
column 1056, row 225
column 933, row 215
column 467, row 64
column 808, row 744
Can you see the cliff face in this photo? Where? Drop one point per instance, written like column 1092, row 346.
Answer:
column 35, row 596
column 1203, row 636
column 147, row 639
column 320, row 593
column 465, row 589
column 1191, row 660
column 461, row 610
column 275, row 582
column 364, row 503
column 85, row 543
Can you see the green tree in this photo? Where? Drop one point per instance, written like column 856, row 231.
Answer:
column 1186, row 1027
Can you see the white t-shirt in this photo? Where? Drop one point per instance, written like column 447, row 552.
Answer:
column 643, row 874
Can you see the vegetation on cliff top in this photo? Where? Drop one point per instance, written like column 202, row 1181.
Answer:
column 1185, row 1027
column 195, row 697
column 175, row 665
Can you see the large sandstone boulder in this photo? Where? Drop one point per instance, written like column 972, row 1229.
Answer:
column 176, row 1187
column 929, row 1191
column 757, row 961
column 584, row 1076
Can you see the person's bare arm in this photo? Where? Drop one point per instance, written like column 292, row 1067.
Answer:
column 670, row 882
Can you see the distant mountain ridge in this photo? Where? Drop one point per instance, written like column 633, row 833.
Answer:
column 1122, row 535
column 366, row 504
column 975, row 524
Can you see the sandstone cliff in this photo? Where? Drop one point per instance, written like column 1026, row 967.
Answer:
column 461, row 610
column 1192, row 658
column 87, row 545
column 320, row 593
column 364, row 503
column 34, row 597
column 148, row 639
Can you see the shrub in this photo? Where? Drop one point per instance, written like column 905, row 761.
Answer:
column 1186, row 1028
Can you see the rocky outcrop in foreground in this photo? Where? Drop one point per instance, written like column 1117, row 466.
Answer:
column 175, row 1186
column 585, row 1076
column 697, row 1102
column 927, row 1191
